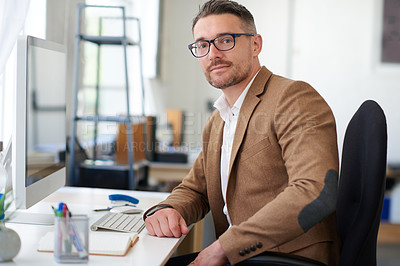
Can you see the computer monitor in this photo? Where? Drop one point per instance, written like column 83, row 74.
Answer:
column 39, row 125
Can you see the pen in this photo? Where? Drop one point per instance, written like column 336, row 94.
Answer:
column 75, row 237
column 59, row 230
column 68, row 212
column 109, row 208
column 61, row 209
column 54, row 210
column 64, row 226
column 65, row 210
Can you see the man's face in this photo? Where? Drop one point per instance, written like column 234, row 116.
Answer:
column 225, row 68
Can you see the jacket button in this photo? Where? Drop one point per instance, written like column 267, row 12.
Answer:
column 242, row 253
column 259, row 244
column 247, row 250
column 253, row 248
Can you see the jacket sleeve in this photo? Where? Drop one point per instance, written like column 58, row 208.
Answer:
column 190, row 197
column 306, row 133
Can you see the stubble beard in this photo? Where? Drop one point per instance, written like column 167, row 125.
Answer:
column 236, row 76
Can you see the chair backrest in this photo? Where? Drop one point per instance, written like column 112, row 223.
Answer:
column 362, row 185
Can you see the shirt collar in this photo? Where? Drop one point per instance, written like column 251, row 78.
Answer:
column 225, row 111
column 223, row 107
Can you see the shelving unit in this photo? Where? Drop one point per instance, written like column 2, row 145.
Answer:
column 124, row 42
column 389, row 233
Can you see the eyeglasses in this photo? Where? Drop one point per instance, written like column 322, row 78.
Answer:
column 223, row 42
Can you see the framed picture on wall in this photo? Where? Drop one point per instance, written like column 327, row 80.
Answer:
column 390, row 42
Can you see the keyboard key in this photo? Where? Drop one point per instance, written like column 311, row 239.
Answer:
column 119, row 222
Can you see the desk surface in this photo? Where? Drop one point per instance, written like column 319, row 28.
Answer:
column 148, row 250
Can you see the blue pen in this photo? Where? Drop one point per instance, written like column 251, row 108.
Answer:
column 64, row 226
column 75, row 238
column 82, row 253
column 60, row 209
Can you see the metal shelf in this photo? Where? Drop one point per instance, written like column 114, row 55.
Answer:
column 129, row 120
column 108, row 40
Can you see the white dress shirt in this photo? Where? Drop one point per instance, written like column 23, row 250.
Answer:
column 230, row 117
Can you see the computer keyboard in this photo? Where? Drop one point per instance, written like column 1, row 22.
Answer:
column 132, row 223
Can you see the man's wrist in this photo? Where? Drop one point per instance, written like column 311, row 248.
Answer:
column 219, row 248
column 153, row 210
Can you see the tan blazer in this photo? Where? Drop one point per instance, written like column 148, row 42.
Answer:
column 281, row 194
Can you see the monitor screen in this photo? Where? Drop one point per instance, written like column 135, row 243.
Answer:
column 39, row 130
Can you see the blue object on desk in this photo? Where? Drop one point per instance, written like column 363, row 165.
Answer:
column 121, row 197
column 77, row 242
column 2, row 206
column 386, row 209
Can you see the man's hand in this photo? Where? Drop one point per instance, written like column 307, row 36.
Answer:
column 212, row 255
column 166, row 222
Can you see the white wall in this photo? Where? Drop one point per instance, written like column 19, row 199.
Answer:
column 331, row 44
column 181, row 84
column 336, row 49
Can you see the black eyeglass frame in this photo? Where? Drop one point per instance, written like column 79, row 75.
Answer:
column 234, row 35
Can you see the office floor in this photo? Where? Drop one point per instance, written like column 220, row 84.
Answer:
column 388, row 255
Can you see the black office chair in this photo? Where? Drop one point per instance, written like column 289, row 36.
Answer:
column 360, row 192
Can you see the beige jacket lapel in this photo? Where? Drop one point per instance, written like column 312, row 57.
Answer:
column 246, row 111
column 214, row 156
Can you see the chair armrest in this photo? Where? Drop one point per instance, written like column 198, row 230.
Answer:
column 279, row 259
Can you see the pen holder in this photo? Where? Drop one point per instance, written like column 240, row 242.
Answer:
column 71, row 239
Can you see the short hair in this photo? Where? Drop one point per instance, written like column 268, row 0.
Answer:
column 219, row 7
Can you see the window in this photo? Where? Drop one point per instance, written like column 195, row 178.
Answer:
column 106, row 68
column 35, row 25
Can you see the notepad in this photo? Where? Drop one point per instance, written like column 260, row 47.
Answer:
column 100, row 243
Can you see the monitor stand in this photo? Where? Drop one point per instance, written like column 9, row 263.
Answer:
column 30, row 218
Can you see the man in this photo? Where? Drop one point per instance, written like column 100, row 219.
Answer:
column 269, row 163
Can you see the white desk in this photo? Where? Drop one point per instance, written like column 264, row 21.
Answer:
column 148, row 250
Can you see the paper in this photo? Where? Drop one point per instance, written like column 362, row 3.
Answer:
column 100, row 243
